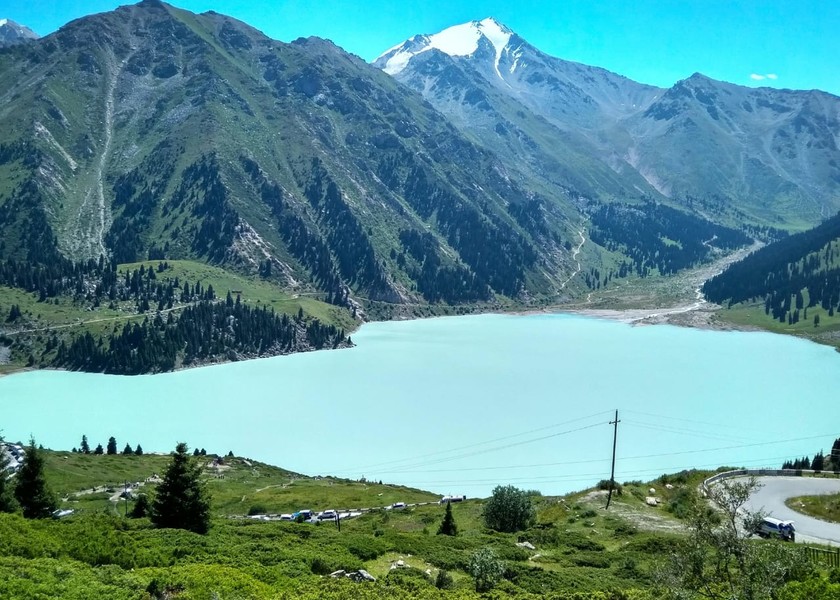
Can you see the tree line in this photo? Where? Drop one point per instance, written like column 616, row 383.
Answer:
column 820, row 462
column 111, row 448
column 206, row 331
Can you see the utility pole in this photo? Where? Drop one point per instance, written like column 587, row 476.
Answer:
column 612, row 470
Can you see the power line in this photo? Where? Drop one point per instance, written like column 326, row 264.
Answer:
column 459, row 448
column 576, row 477
column 685, row 431
column 717, row 425
column 736, row 447
column 598, row 460
column 497, row 448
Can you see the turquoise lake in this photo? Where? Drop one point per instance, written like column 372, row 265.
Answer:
column 458, row 405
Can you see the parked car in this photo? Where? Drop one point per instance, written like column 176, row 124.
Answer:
column 770, row 527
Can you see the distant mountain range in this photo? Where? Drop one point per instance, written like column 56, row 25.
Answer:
column 11, row 33
column 151, row 132
column 761, row 155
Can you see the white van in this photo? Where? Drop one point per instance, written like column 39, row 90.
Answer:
column 770, row 527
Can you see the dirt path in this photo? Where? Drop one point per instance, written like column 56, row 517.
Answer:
column 575, row 253
column 102, row 320
column 645, row 518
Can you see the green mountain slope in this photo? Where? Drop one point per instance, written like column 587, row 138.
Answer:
column 150, row 132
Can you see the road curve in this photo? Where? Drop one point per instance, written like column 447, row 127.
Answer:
column 771, row 497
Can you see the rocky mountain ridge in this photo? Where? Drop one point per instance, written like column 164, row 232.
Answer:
column 758, row 155
column 12, row 33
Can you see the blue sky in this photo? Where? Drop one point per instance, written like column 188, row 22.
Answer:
column 792, row 43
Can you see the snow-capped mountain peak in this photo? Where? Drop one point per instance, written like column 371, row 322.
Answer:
column 458, row 40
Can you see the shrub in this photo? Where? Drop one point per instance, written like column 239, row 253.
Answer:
column 486, row 569
column 257, row 509
column 604, row 484
column 444, row 580
column 364, row 547
column 142, row 507
column 509, row 509
column 320, row 566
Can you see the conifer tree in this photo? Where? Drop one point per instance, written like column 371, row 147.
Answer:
column 141, row 508
column 448, row 526
column 31, row 490
column 98, row 449
column 182, row 502
column 112, row 443
column 127, row 450
column 139, row 450
column 84, row 448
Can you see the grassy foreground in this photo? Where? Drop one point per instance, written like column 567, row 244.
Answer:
column 581, row 552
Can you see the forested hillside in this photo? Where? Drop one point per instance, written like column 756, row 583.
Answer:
column 658, row 239
column 180, row 322
column 789, row 276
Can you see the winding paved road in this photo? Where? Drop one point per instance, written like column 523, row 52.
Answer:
column 771, row 499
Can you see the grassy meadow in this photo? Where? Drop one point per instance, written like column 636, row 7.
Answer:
column 580, row 551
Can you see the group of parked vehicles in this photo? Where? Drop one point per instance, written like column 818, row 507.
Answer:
column 306, row 515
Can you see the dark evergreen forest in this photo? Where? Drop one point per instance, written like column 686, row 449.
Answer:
column 659, row 238
column 779, row 274
column 203, row 332
column 198, row 328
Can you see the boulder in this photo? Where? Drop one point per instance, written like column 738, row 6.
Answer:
column 527, row 545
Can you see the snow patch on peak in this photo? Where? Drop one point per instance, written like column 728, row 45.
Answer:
column 499, row 36
column 458, row 40
column 3, row 22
